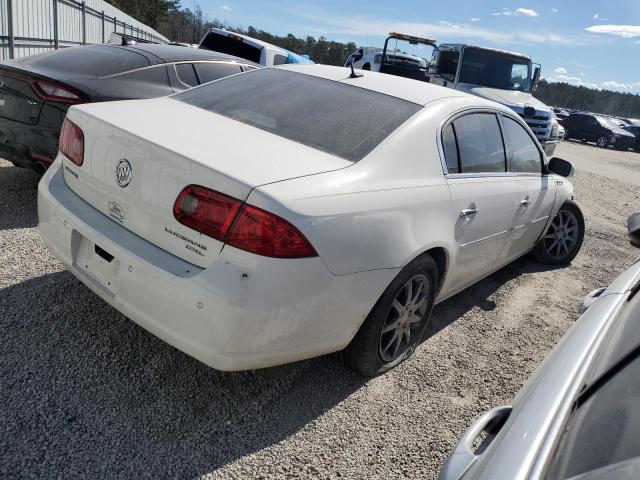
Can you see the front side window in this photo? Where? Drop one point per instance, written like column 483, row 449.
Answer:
column 480, row 146
column 448, row 64
column 525, row 156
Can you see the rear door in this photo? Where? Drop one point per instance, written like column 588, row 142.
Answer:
column 536, row 193
column 483, row 196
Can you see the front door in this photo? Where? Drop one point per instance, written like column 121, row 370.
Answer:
column 536, row 192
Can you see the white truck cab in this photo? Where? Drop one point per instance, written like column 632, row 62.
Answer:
column 505, row 77
column 243, row 46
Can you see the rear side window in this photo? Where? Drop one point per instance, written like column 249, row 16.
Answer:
column 450, row 149
column 187, row 74
column 525, row 156
column 480, row 144
column 340, row 119
column 208, row 72
column 231, row 45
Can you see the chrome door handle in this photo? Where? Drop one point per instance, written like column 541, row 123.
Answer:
column 468, row 211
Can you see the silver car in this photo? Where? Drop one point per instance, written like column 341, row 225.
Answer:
column 578, row 416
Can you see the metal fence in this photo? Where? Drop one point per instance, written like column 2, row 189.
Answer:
column 35, row 26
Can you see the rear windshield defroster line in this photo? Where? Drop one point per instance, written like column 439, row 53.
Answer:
column 333, row 117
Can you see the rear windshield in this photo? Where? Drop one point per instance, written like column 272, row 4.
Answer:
column 339, row 119
column 231, row 45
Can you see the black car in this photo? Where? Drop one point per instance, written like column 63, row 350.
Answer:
column 635, row 131
column 36, row 91
column 596, row 128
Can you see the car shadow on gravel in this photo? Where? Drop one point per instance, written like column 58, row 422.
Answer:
column 87, row 393
column 480, row 294
column 18, row 193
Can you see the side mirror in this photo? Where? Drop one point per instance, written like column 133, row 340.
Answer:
column 536, row 78
column 561, row 167
column 633, row 227
column 358, row 55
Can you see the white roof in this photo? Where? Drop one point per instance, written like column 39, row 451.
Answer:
column 407, row 89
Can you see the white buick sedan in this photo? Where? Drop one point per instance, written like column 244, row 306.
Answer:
column 286, row 213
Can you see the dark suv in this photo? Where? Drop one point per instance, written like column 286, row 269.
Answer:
column 635, row 131
column 595, row 128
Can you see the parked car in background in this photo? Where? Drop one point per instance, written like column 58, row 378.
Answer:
column 603, row 131
column 635, row 131
column 577, row 416
column 272, row 224
column 390, row 59
column 252, row 49
column 36, row 91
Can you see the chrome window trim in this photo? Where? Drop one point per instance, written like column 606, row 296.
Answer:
column 498, row 112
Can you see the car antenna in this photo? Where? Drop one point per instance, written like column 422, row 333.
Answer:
column 354, row 74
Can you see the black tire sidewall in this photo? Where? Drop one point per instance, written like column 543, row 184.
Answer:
column 540, row 253
column 362, row 354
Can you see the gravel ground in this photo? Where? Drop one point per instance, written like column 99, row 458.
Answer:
column 87, row 393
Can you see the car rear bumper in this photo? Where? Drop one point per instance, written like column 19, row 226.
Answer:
column 244, row 311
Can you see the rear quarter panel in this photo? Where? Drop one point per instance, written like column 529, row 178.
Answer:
column 379, row 213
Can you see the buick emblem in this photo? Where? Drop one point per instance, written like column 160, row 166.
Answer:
column 123, row 172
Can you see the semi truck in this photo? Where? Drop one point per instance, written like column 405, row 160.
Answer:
column 505, row 77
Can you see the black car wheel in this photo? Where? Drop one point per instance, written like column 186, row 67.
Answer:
column 563, row 239
column 603, row 141
column 394, row 327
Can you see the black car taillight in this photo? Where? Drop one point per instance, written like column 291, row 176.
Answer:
column 71, row 142
column 240, row 225
column 57, row 92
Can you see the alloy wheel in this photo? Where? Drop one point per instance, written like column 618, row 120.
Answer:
column 404, row 319
column 562, row 237
column 602, row 141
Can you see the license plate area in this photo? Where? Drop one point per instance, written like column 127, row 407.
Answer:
column 96, row 262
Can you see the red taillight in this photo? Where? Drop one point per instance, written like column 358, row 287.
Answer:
column 242, row 226
column 56, row 92
column 71, row 142
column 258, row 231
column 206, row 211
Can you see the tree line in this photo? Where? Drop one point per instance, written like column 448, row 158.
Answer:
column 186, row 25
column 588, row 99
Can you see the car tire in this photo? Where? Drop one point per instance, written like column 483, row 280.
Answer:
column 366, row 66
column 602, row 141
column 558, row 246
column 396, row 322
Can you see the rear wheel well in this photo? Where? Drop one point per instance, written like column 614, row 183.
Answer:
column 439, row 256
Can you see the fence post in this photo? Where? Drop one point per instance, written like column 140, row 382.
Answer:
column 102, row 16
column 84, row 23
column 56, row 39
column 10, row 26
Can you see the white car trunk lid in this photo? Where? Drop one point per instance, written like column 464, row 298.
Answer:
column 214, row 152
